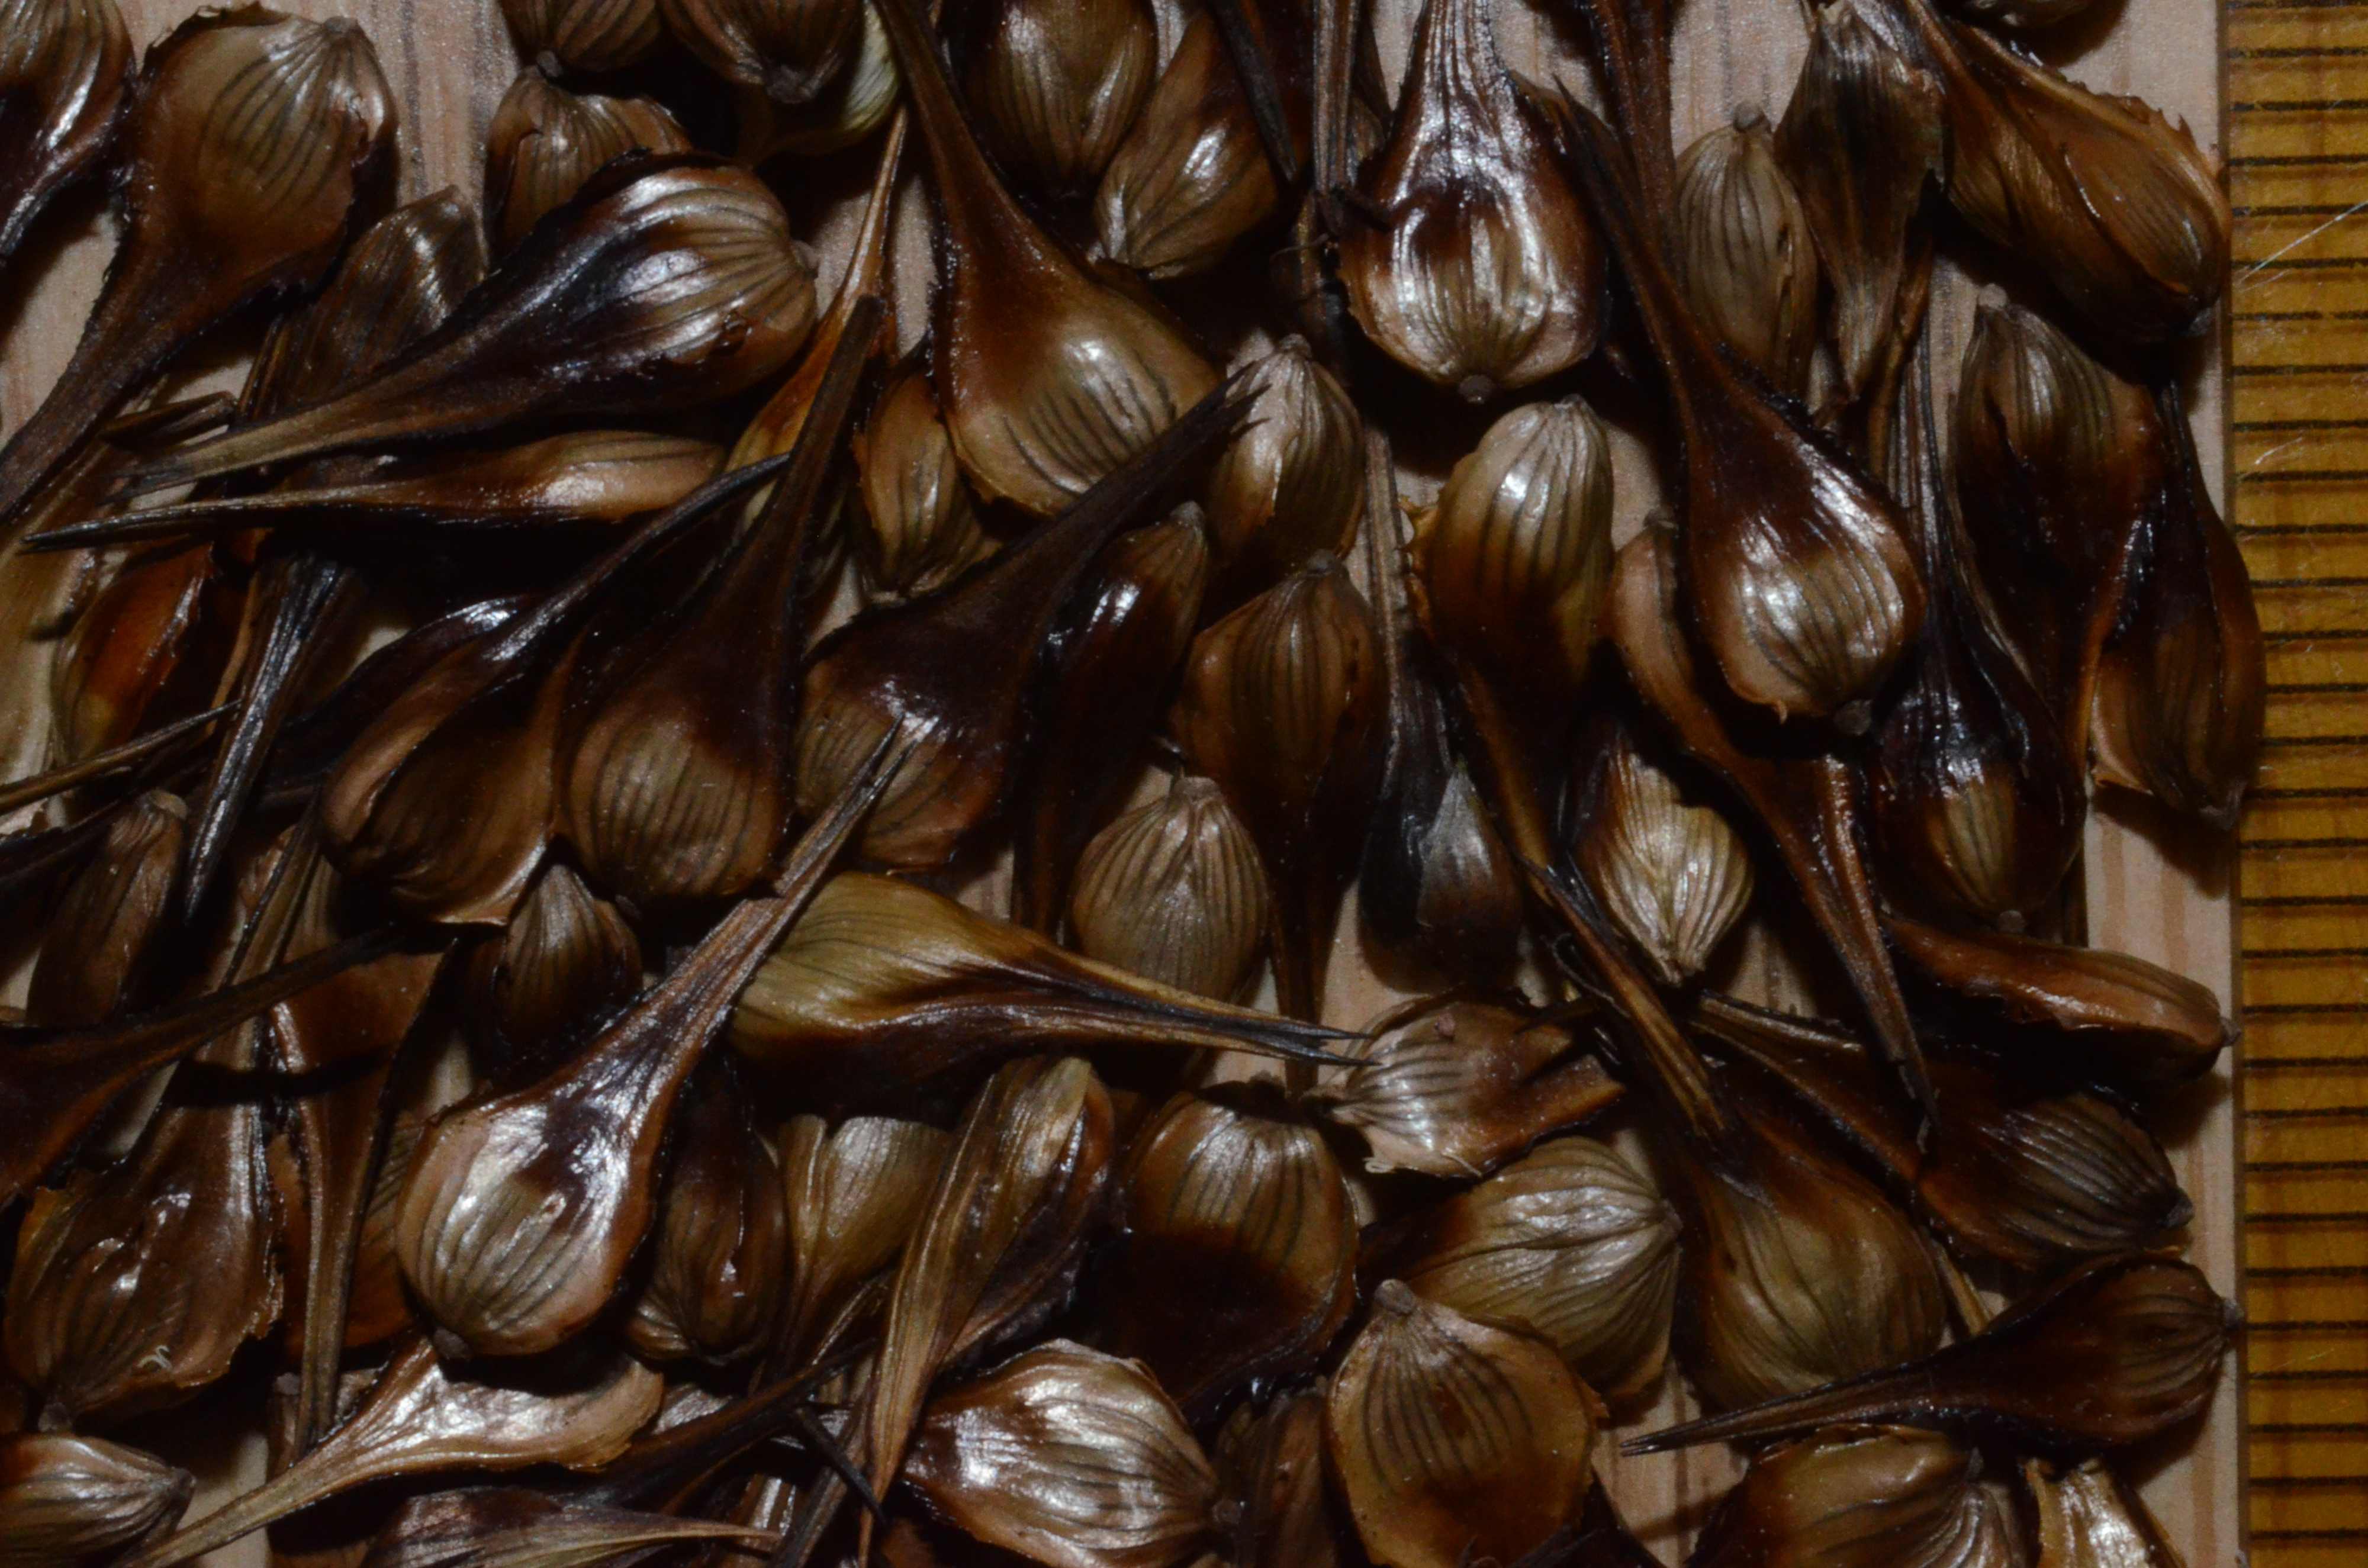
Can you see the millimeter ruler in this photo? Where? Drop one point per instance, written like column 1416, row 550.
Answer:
column 2298, row 141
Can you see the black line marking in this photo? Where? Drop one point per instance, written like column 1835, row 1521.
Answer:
column 2302, row 368
column 2295, row 210
column 2309, row 1375
column 2305, row 901
column 2306, row 1325
column 2301, row 1429
column 2298, row 160
column 2304, row 1482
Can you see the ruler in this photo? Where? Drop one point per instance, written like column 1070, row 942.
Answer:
column 2297, row 98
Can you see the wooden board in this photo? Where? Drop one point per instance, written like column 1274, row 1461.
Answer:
column 2152, row 890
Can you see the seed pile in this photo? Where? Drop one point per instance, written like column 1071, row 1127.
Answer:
column 496, row 976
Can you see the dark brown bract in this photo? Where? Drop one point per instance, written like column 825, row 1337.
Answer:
column 1100, row 882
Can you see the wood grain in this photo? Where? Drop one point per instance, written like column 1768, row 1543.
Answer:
column 2152, row 890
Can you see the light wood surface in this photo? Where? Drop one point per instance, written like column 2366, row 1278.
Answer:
column 2151, row 892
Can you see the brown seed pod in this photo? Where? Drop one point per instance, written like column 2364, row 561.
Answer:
column 513, row 1527
column 136, row 1284
column 563, row 960
column 522, row 1210
column 38, row 595
column 606, row 476
column 788, row 49
column 401, row 279
column 1049, row 377
column 398, row 281
column 1455, row 1441
column 98, row 932
column 1172, row 891
column 1485, row 273
column 1512, row 559
column 853, row 1194
column 997, row 1241
column 1800, row 578
column 66, row 1499
column 545, row 141
column 1113, row 659
column 2183, row 688
column 481, row 716
column 2037, row 1178
column 1972, row 799
column 1054, row 83
column 1670, row 871
column 1291, row 483
column 1796, row 1271
column 1455, row 1085
column 2130, row 1023
column 248, row 137
column 1193, row 176
column 339, row 1043
column 721, row 1243
column 1070, row 1457
column 860, row 315
column 54, row 1084
column 923, row 527
column 1862, row 140
column 585, row 35
column 2090, row 1517
column 1863, row 1497
column 955, row 671
column 1741, row 249
column 885, row 988
column 1271, row 1465
column 1239, row 1261
column 674, row 786
column 2060, row 458
column 420, row 1418
column 666, row 279
column 66, row 77
column 2112, row 202
column 1807, row 803
column 851, row 107
column 150, row 621
column 1437, row 890
column 1571, row 1241
column 2040, row 1180
column 1281, row 707
column 2119, row 1351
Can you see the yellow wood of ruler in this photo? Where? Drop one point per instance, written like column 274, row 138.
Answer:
column 2297, row 94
